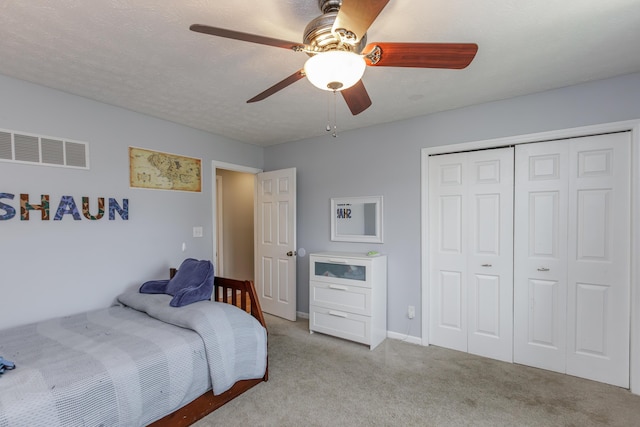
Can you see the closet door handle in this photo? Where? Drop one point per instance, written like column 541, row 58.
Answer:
column 486, row 265
column 543, row 269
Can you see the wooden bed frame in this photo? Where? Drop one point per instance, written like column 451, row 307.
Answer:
column 242, row 294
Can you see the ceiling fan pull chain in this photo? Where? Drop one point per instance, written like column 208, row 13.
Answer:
column 328, row 112
column 335, row 116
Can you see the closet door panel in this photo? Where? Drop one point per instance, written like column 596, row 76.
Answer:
column 599, row 259
column 490, row 258
column 450, row 234
column 448, row 249
column 540, row 255
column 450, row 301
column 543, row 330
column 544, row 214
column 487, row 305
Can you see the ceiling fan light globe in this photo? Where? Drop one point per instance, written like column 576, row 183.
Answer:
column 334, row 70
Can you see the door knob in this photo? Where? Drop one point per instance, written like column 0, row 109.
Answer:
column 291, row 253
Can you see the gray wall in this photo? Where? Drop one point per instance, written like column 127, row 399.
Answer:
column 385, row 160
column 51, row 268
column 56, row 268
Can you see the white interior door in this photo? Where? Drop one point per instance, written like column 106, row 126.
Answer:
column 471, row 221
column 275, row 218
column 572, row 257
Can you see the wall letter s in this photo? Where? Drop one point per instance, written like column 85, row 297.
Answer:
column 10, row 212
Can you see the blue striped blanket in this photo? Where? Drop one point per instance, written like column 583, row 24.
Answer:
column 126, row 365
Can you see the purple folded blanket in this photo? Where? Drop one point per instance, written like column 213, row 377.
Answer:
column 193, row 282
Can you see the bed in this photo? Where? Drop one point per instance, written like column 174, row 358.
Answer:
column 139, row 362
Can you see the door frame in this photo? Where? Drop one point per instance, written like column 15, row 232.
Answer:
column 629, row 125
column 214, row 198
column 217, row 226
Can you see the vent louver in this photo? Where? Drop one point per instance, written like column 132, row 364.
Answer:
column 26, row 148
column 52, row 151
column 6, row 152
column 76, row 154
column 43, row 150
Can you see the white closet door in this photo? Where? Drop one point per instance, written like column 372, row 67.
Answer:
column 540, row 262
column 572, row 257
column 448, row 249
column 471, row 247
column 490, row 255
column 599, row 259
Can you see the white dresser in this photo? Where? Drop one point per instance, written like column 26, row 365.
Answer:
column 348, row 296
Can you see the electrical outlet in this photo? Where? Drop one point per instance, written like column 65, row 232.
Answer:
column 411, row 312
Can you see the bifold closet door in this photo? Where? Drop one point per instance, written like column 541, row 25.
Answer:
column 540, row 254
column 572, row 257
column 471, row 252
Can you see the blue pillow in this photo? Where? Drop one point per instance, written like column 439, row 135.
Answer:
column 154, row 287
column 193, row 282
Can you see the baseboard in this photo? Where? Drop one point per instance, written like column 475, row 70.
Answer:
column 302, row 315
column 406, row 338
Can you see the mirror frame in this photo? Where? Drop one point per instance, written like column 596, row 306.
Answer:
column 336, row 237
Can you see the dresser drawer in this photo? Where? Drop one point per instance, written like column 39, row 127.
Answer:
column 352, row 299
column 341, row 324
column 341, row 270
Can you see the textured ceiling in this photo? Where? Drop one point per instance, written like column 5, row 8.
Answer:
column 140, row 55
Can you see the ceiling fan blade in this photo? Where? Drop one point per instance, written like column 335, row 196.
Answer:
column 357, row 98
column 356, row 16
column 237, row 35
column 420, row 55
column 278, row 86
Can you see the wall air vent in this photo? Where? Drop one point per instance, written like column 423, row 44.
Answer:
column 6, row 149
column 19, row 147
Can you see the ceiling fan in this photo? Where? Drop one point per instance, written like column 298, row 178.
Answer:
column 337, row 45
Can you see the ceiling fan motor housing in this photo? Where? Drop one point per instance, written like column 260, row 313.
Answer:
column 319, row 35
column 329, row 5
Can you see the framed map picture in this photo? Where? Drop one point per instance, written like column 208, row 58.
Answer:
column 164, row 171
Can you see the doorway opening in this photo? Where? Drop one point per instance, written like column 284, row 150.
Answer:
column 252, row 204
column 233, row 220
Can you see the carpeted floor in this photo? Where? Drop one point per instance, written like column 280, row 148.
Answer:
column 318, row 380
